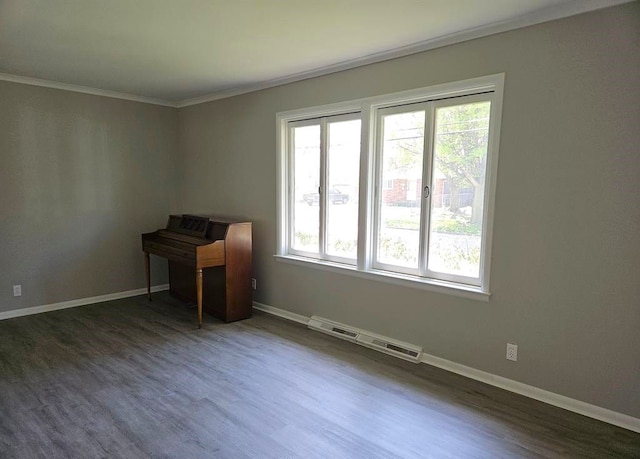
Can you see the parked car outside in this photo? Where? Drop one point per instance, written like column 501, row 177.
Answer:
column 335, row 197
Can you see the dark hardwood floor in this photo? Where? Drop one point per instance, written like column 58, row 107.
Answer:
column 132, row 379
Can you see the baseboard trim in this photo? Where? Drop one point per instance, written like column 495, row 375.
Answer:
column 551, row 398
column 570, row 404
column 79, row 302
column 281, row 313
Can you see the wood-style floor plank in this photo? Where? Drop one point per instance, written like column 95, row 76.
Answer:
column 133, row 379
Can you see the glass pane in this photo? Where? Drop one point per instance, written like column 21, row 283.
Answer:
column 457, row 195
column 342, row 197
column 402, row 154
column 306, row 179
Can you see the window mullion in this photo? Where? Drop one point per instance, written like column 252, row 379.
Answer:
column 367, row 191
column 324, row 167
column 427, row 188
column 376, row 189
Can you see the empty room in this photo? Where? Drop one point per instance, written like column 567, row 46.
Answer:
column 319, row 229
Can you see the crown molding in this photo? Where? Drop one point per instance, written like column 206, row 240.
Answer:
column 84, row 90
column 548, row 14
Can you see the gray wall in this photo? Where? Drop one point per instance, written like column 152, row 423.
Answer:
column 566, row 256
column 81, row 177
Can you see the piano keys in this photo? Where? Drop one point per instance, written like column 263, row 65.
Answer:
column 210, row 263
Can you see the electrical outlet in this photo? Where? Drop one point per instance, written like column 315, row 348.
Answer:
column 512, row 352
column 253, row 284
column 17, row 290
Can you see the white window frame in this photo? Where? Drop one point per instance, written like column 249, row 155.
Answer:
column 378, row 201
column 423, row 266
column 291, row 193
column 369, row 109
column 323, row 198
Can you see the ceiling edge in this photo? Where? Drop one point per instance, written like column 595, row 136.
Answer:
column 548, row 14
column 84, row 90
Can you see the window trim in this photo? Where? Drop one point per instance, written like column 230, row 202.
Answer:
column 368, row 108
column 284, row 166
column 324, row 197
column 456, row 278
column 420, row 283
column 291, row 193
column 377, row 207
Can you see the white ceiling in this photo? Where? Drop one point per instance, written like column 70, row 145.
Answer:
column 178, row 52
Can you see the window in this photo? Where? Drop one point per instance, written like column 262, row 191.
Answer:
column 325, row 157
column 398, row 187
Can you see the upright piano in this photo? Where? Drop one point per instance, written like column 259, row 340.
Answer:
column 209, row 263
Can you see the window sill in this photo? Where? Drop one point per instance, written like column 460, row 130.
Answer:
column 448, row 288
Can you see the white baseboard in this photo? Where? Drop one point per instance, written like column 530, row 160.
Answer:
column 79, row 302
column 281, row 313
column 583, row 408
column 551, row 398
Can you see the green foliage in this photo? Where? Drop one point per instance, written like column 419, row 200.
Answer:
column 461, row 142
column 444, row 223
column 406, row 133
column 311, row 240
column 307, row 239
column 396, row 249
column 345, row 246
column 456, row 226
column 456, row 257
column 403, row 223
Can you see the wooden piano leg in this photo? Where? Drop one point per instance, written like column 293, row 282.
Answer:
column 199, row 295
column 148, row 274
